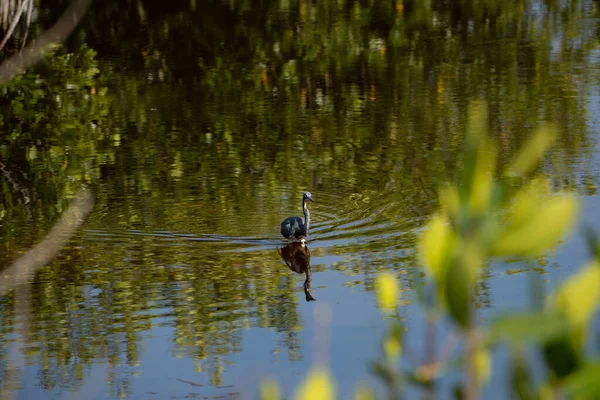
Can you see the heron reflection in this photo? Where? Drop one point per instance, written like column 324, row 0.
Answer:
column 296, row 255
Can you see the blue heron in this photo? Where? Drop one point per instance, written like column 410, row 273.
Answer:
column 295, row 227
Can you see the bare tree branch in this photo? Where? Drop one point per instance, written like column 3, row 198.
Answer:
column 23, row 269
column 58, row 33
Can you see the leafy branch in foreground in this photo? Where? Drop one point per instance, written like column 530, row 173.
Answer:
column 486, row 214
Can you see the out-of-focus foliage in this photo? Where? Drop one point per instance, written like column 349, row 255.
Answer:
column 318, row 386
column 387, row 291
column 475, row 217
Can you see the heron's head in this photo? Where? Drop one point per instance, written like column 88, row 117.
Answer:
column 307, row 196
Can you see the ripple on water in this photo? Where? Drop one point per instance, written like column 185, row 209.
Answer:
column 358, row 221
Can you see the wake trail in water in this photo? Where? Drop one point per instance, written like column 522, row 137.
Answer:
column 118, row 236
column 357, row 225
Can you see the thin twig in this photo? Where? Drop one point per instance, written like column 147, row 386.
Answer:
column 27, row 23
column 430, row 340
column 8, row 175
column 4, row 15
column 13, row 25
column 432, row 369
column 471, row 346
column 448, row 346
column 430, row 347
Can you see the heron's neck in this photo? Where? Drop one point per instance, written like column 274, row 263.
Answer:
column 307, row 287
column 306, row 215
column 308, row 273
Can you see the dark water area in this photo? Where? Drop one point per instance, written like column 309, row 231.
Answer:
column 198, row 125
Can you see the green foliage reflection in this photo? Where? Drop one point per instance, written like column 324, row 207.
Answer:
column 189, row 119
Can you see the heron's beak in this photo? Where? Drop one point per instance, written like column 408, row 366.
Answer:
column 309, row 198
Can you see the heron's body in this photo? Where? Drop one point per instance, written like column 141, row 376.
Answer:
column 296, row 227
column 293, row 227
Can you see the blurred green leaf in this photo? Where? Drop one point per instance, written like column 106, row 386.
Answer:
column 436, row 249
column 520, row 377
column 383, row 372
column 525, row 238
column 475, row 137
column 584, row 383
column 561, row 357
column 392, row 344
column 526, row 327
column 531, row 153
column 579, row 296
column 483, row 365
column 387, row 291
column 269, row 389
column 592, row 240
column 364, row 393
column 318, row 385
column 458, row 292
column 483, row 177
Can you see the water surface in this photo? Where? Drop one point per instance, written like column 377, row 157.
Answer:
column 198, row 134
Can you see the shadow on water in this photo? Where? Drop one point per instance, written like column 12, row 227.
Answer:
column 296, row 255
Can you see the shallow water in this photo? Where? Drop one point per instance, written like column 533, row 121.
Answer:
column 174, row 287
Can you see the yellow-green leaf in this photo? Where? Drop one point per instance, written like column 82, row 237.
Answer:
column 318, row 386
column 449, row 200
column 561, row 356
column 364, row 393
column 584, row 383
column 546, row 225
column 472, row 258
column 483, row 364
column 477, row 127
column 392, row 348
column 483, row 175
column 457, row 293
column 526, row 327
column 532, row 152
column 269, row 390
column 387, row 291
column 526, row 201
column 436, row 247
column 579, row 296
